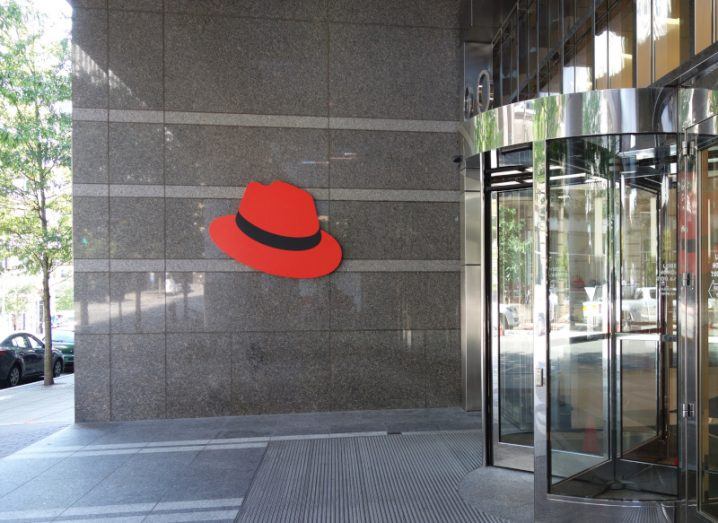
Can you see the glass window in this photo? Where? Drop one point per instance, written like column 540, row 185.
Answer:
column 19, row 342
column 670, row 35
column 578, row 303
column 513, row 284
column 607, row 210
column 34, row 342
column 601, row 47
column 703, row 24
column 644, row 45
column 620, row 41
column 708, row 361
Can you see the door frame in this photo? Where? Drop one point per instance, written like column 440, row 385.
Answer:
column 690, row 285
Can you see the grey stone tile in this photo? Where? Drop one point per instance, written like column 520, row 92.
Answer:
column 295, row 10
column 199, row 375
column 92, row 302
column 137, row 302
column 136, row 153
column 188, row 224
column 136, row 5
column 142, row 431
column 425, row 86
column 505, row 494
column 15, row 472
column 245, row 301
column 396, row 230
column 234, row 156
column 138, row 376
column 188, row 221
column 89, row 152
column 70, row 480
column 92, row 377
column 282, row 75
column 439, row 296
column 216, row 474
column 376, row 300
column 376, row 369
column 90, row 227
column 393, row 160
column 135, row 56
column 442, row 351
column 89, row 58
column 143, row 479
column 426, row 13
column 281, row 372
column 137, row 228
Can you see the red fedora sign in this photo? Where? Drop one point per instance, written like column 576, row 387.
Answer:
column 276, row 231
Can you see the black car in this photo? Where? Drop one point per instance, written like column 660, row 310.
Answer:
column 22, row 355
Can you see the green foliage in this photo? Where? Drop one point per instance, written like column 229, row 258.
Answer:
column 512, row 250
column 35, row 127
column 17, row 298
column 64, row 300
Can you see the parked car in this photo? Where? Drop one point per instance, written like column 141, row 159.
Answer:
column 638, row 305
column 22, row 355
column 64, row 341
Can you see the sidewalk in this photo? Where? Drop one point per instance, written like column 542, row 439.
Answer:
column 32, row 411
column 403, row 465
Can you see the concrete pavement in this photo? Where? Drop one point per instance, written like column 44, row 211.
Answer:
column 32, row 411
column 208, row 469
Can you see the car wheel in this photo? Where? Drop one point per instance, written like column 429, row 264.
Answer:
column 13, row 377
column 57, row 369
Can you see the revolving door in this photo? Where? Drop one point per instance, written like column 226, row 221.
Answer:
column 612, row 361
column 599, row 292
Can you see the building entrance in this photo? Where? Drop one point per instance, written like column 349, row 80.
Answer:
column 598, row 296
column 612, row 362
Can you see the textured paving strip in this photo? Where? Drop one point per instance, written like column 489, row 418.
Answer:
column 411, row 477
column 197, row 510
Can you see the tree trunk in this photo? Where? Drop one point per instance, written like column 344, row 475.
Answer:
column 49, row 380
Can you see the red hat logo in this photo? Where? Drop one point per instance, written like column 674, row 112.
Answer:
column 276, row 231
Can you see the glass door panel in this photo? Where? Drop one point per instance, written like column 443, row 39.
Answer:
column 578, row 274
column 707, row 166
column 512, row 328
column 612, row 403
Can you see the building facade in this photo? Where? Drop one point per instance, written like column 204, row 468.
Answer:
column 177, row 106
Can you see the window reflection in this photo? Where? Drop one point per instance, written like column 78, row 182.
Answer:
column 611, row 284
column 708, row 170
column 513, row 215
column 549, row 46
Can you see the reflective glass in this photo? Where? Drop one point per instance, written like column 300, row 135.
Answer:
column 620, row 43
column 703, row 32
column 670, row 35
column 639, row 409
column 639, row 254
column 708, row 302
column 578, row 305
column 611, row 284
column 513, row 260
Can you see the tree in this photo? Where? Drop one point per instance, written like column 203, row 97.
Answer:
column 514, row 252
column 35, row 128
column 16, row 300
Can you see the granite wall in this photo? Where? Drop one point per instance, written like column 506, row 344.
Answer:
column 177, row 106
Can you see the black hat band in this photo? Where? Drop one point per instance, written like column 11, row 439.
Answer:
column 287, row 243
